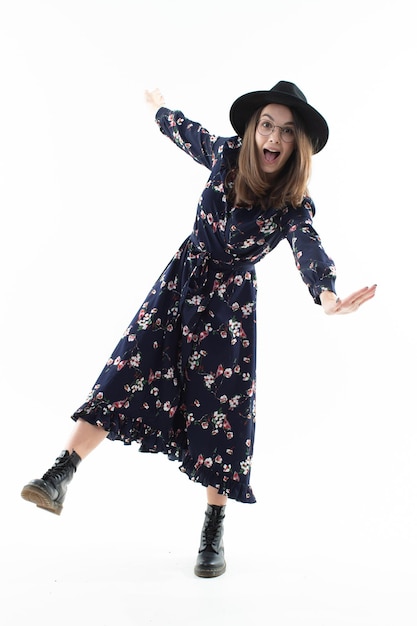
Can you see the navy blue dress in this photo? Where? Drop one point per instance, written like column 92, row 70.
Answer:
column 182, row 379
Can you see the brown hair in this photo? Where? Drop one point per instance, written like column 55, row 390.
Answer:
column 250, row 185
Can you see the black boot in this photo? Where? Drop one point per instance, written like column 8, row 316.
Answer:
column 49, row 491
column 210, row 560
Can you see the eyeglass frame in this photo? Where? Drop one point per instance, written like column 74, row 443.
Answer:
column 281, row 129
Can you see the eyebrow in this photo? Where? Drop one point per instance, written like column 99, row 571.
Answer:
column 271, row 118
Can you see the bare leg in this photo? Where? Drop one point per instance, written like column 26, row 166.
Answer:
column 85, row 438
column 214, row 498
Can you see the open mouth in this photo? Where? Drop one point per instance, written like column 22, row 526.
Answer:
column 270, row 156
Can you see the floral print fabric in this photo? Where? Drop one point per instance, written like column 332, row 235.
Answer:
column 182, row 379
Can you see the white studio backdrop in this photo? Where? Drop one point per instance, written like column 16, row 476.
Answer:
column 94, row 202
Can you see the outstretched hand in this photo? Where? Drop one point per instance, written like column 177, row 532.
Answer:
column 155, row 99
column 333, row 305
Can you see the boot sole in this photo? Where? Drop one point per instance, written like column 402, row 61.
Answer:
column 202, row 572
column 41, row 499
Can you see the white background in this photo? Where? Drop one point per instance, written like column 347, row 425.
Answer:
column 94, row 201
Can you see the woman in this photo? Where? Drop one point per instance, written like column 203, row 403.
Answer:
column 182, row 379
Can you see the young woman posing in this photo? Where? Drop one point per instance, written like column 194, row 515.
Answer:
column 181, row 381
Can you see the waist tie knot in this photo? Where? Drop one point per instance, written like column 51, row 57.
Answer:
column 200, row 267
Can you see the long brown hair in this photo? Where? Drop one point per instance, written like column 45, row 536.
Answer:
column 250, row 185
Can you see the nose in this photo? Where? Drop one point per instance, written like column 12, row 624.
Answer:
column 275, row 135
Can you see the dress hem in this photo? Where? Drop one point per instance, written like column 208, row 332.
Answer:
column 176, row 449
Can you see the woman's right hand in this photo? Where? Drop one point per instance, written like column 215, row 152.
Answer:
column 333, row 305
column 154, row 99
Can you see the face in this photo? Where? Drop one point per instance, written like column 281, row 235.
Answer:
column 273, row 151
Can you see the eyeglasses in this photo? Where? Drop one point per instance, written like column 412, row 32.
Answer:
column 266, row 128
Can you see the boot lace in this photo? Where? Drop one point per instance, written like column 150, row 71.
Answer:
column 59, row 470
column 212, row 533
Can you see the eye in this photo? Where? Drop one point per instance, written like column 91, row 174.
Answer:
column 288, row 132
column 266, row 125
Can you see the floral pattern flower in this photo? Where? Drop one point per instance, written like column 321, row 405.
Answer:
column 182, row 379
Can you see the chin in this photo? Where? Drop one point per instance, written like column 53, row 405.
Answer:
column 272, row 175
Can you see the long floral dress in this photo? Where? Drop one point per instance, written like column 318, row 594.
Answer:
column 182, row 379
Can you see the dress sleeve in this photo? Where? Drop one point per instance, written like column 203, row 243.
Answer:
column 190, row 136
column 316, row 268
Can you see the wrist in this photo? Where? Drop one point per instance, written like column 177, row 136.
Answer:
column 328, row 299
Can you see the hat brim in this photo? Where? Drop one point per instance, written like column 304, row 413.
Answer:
column 314, row 123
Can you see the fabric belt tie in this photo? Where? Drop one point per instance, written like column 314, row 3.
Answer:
column 204, row 266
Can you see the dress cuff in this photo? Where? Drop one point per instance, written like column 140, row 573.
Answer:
column 327, row 284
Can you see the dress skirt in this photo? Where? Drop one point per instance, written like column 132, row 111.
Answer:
column 181, row 381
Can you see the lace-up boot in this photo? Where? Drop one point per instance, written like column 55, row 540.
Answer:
column 210, row 560
column 49, row 491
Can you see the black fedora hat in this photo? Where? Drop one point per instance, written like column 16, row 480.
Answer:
column 282, row 93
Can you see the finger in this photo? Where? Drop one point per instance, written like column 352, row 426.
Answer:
column 357, row 294
column 362, row 295
column 355, row 300
column 365, row 296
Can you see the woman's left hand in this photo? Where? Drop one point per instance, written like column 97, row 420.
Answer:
column 333, row 305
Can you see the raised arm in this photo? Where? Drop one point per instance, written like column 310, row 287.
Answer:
column 316, row 268
column 190, row 136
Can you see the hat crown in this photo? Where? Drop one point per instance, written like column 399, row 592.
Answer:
column 289, row 89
